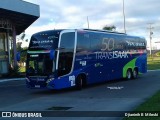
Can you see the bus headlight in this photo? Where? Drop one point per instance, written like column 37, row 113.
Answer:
column 27, row 79
column 49, row 80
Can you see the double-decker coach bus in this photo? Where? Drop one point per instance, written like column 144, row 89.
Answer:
column 59, row 59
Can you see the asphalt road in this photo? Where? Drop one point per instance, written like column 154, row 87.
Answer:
column 119, row 95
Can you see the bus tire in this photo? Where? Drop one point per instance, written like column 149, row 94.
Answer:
column 135, row 73
column 129, row 74
column 80, row 82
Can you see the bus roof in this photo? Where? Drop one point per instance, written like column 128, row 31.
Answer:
column 105, row 31
column 92, row 30
column 46, row 31
column 112, row 32
column 96, row 30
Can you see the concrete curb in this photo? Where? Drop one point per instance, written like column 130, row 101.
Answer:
column 153, row 70
column 12, row 79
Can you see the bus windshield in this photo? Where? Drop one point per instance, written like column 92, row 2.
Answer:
column 40, row 64
column 38, row 57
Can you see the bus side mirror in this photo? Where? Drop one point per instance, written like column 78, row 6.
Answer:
column 52, row 52
column 18, row 56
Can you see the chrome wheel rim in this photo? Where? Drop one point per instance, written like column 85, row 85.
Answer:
column 129, row 75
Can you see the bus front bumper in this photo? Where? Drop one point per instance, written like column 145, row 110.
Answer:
column 57, row 84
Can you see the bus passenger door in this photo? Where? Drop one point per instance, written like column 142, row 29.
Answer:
column 66, row 53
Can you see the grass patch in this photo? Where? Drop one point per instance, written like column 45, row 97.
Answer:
column 153, row 63
column 151, row 105
column 22, row 69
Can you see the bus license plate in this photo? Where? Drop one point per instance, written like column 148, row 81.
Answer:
column 37, row 86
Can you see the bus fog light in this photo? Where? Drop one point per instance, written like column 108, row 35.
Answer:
column 27, row 79
column 49, row 80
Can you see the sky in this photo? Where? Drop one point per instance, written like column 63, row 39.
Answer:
column 68, row 14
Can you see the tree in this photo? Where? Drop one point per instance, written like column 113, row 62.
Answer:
column 24, row 54
column 110, row 28
column 22, row 50
column 22, row 37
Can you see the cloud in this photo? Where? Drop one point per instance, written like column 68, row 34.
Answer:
column 75, row 13
column 57, row 14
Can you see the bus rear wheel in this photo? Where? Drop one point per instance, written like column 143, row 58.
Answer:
column 135, row 74
column 129, row 74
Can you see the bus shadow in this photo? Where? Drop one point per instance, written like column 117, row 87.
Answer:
column 53, row 92
column 73, row 89
column 105, row 83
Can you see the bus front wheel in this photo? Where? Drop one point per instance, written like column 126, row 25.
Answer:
column 79, row 82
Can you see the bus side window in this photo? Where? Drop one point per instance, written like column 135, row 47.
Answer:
column 83, row 42
column 96, row 43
